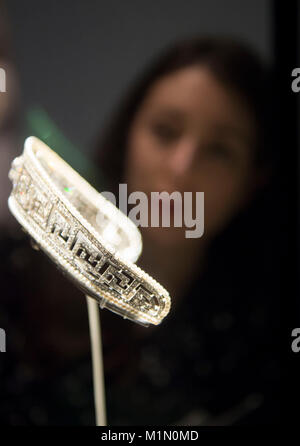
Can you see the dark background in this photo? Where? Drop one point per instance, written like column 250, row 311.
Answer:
column 75, row 58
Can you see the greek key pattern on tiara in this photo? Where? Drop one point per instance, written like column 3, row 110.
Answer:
column 108, row 277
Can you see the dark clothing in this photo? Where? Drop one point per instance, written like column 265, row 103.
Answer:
column 212, row 361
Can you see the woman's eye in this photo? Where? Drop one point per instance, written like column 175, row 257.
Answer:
column 220, row 151
column 165, row 132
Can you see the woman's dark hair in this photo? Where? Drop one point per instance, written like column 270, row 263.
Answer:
column 232, row 63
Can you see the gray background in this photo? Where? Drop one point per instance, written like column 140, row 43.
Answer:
column 75, row 58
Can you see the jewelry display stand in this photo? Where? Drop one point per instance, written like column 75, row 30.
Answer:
column 97, row 360
column 90, row 240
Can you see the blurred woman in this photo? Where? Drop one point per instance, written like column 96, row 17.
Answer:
column 198, row 121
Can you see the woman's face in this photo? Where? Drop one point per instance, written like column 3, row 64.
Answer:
column 192, row 134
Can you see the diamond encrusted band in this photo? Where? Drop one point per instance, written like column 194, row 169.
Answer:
column 88, row 237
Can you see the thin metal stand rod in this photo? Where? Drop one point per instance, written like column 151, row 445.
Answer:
column 97, row 360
